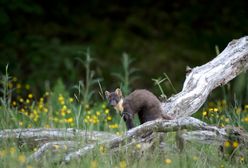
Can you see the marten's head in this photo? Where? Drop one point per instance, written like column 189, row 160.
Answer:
column 114, row 98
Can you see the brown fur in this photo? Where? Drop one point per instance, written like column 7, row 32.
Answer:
column 141, row 102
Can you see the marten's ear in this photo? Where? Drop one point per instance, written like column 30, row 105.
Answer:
column 118, row 92
column 107, row 94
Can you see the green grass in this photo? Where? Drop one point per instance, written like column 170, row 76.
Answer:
column 59, row 108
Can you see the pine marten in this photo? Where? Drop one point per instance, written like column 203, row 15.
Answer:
column 141, row 102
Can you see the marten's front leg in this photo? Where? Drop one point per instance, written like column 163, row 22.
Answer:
column 127, row 117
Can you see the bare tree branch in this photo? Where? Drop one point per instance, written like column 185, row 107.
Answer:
column 200, row 81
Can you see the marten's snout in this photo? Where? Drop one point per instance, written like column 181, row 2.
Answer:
column 112, row 102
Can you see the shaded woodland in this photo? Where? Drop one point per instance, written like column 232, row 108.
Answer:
column 38, row 37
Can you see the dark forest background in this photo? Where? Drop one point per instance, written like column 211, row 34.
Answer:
column 41, row 39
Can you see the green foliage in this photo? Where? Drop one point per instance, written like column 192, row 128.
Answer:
column 56, row 108
column 166, row 80
column 241, row 87
column 34, row 34
column 85, row 87
column 4, row 90
column 128, row 76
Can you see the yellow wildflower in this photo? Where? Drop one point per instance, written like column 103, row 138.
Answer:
column 47, row 126
column 21, row 100
column 235, row 144
column 102, row 149
column 20, row 123
column 55, row 119
column 45, row 110
column 12, row 150
column 227, row 144
column 138, row 146
column 56, row 146
column 30, row 95
column 47, row 93
column 71, row 99
column 211, row 109
column 227, row 120
column 109, row 118
column 2, row 153
column 40, row 106
column 70, row 120
column 167, row 161
column 246, row 119
column 69, row 111
column 62, row 113
column 246, row 106
column 10, row 85
column 103, row 106
column 18, row 86
column 64, row 107
column 204, row 113
column 106, row 111
column 93, row 164
column 22, row 158
column 14, row 103
column 41, row 99
column 61, row 99
column 86, row 120
column 216, row 109
column 238, row 110
column 98, row 113
column 195, row 158
column 27, row 101
column 123, row 164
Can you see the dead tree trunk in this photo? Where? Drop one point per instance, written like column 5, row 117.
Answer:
column 200, row 81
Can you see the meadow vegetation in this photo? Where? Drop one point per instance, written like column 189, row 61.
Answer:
column 83, row 106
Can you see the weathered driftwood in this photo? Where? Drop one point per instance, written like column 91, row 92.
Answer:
column 200, row 81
